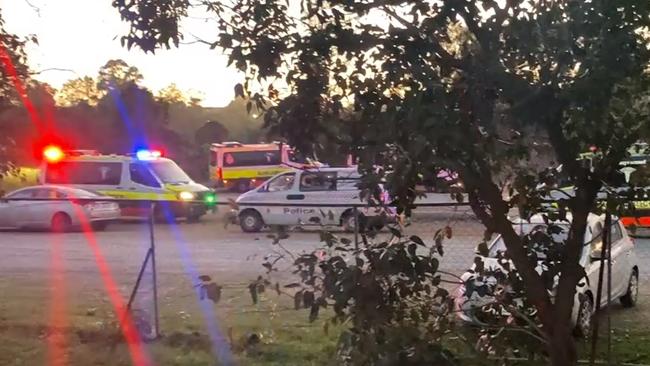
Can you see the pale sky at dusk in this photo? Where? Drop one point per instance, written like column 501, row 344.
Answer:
column 82, row 35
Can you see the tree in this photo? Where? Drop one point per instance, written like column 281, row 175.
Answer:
column 14, row 75
column 79, row 90
column 117, row 74
column 211, row 132
column 571, row 74
column 172, row 95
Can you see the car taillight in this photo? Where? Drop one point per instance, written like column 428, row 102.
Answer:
column 220, row 173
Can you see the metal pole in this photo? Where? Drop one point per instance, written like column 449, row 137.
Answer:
column 137, row 281
column 152, row 250
column 608, row 225
column 356, row 228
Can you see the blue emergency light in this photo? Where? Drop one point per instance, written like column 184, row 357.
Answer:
column 148, row 154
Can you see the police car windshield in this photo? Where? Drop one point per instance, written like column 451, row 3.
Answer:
column 169, row 172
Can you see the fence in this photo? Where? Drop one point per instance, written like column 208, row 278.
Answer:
column 168, row 252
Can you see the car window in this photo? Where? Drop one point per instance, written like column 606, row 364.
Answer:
column 140, row 174
column 251, row 158
column 281, row 183
column 596, row 242
column 46, row 193
column 617, row 234
column 24, row 193
column 320, row 181
column 84, row 172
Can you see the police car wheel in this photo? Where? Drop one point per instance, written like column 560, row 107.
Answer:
column 250, row 221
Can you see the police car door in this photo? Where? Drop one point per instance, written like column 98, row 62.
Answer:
column 317, row 188
column 275, row 191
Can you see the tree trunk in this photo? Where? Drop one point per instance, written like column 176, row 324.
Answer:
column 561, row 346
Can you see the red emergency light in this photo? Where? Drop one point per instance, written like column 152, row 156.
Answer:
column 53, row 154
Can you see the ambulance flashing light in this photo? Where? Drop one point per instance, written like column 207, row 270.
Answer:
column 53, row 154
column 146, row 155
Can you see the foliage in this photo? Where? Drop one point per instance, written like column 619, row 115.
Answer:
column 13, row 68
column 388, row 293
column 211, row 132
column 79, row 90
column 171, row 94
column 117, row 74
column 566, row 74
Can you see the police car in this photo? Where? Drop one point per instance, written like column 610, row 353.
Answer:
column 145, row 175
column 293, row 199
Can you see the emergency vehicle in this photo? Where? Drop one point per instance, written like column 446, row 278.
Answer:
column 241, row 167
column 292, row 199
column 145, row 175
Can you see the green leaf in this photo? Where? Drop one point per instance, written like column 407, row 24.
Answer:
column 417, row 240
column 397, row 233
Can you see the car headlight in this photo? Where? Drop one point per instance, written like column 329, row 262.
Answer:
column 186, row 196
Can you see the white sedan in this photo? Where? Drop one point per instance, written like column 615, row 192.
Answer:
column 625, row 271
column 70, row 208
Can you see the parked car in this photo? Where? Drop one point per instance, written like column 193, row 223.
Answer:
column 625, row 270
column 293, row 199
column 60, row 216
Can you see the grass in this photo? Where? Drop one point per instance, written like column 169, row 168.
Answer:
column 90, row 336
column 286, row 337
column 23, row 177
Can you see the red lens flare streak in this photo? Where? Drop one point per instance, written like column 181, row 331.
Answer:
column 56, row 340
column 127, row 325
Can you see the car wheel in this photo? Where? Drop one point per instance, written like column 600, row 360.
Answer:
column 99, row 225
column 585, row 318
column 251, row 221
column 629, row 299
column 61, row 222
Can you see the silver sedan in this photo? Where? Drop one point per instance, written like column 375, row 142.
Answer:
column 71, row 208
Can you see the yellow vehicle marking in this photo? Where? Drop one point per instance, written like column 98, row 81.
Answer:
column 140, row 195
column 236, row 173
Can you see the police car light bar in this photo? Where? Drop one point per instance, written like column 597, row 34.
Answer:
column 148, row 154
column 53, row 154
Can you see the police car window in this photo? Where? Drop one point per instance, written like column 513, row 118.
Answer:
column 321, row 181
column 84, row 172
column 140, row 174
column 251, row 158
column 283, row 182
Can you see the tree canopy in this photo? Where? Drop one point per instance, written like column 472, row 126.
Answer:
column 13, row 75
column 471, row 86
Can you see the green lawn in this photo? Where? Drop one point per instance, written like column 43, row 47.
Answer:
column 90, row 336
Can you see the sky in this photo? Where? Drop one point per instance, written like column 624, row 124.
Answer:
column 81, row 35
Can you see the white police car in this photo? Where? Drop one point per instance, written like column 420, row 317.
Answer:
column 293, row 199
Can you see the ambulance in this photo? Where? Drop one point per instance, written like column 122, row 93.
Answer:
column 238, row 166
column 145, row 175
